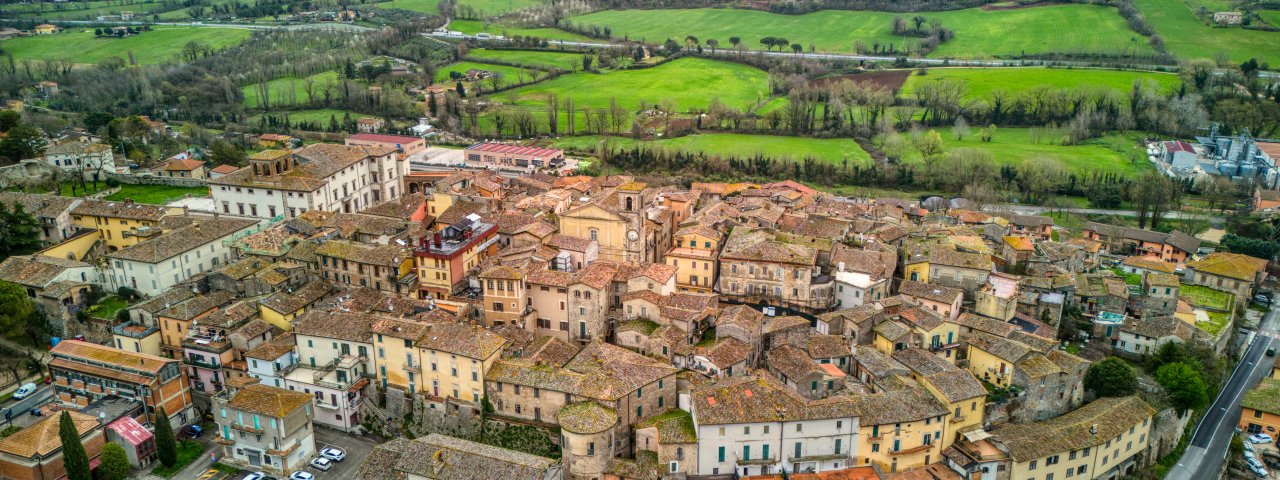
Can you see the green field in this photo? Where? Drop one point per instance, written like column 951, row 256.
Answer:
column 287, row 91
column 834, row 150
column 686, row 82
column 159, row 45
column 318, row 116
column 472, row 27
column 510, row 75
column 1012, row 146
column 981, row 82
column 1272, row 17
column 979, row 33
column 149, row 194
column 484, row 7
column 544, row 60
column 1187, row 37
column 78, row 10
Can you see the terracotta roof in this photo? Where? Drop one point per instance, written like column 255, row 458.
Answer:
column 878, row 364
column 440, row 457
column 315, row 163
column 985, row 324
column 337, row 325
column 936, row 293
column 182, row 165
column 272, row 350
column 119, row 209
column 743, row 316
column 39, row 204
column 1003, row 348
column 1149, row 262
column 183, row 240
column 197, row 305
column 78, row 351
column 390, row 254
column 586, row 418
column 1022, row 244
column 673, row 425
column 36, row 270
column 792, row 362
column 1108, row 416
column 224, row 169
column 827, row 346
column 1264, row 397
column 765, row 246
column 42, row 438
column 901, row 400
column 760, row 398
column 1163, row 280
column 288, row 302
column 599, row 371
column 1232, row 265
column 269, row 401
column 726, row 352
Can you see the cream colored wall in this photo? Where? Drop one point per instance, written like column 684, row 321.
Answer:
column 611, row 232
column 985, row 366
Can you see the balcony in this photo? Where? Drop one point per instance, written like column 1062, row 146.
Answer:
column 943, row 346
column 770, row 460
column 201, row 364
column 413, row 367
column 247, row 428
column 912, row 450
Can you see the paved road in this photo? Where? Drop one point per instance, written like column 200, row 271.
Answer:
column 1037, row 210
column 22, row 408
column 1209, row 443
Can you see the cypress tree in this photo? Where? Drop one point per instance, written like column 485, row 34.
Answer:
column 166, row 445
column 74, row 458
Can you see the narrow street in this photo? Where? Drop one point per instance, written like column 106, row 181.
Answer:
column 1212, row 437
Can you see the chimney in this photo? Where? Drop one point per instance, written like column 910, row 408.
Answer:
column 437, row 239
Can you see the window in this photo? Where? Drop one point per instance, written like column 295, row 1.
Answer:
column 1032, row 465
column 799, row 427
column 838, row 441
column 720, row 454
column 746, row 452
column 1051, row 460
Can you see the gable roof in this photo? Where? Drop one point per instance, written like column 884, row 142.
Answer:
column 267, row 400
column 1232, row 265
column 42, row 438
column 1107, row 416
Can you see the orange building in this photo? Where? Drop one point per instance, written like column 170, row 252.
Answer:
column 1260, row 407
column 85, row 372
column 35, row 452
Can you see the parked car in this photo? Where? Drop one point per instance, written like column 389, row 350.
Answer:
column 24, row 391
column 255, row 476
column 322, row 464
column 193, row 431
column 301, row 475
column 1248, row 447
column 1259, row 471
column 333, row 453
column 1263, row 299
column 1271, row 351
column 36, row 412
column 1259, row 438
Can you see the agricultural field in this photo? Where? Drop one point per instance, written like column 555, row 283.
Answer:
column 686, row 82
column 1114, row 154
column 484, row 7
column 1187, row 37
column 472, row 27
column 979, row 33
column 319, row 116
column 981, row 82
column 159, row 45
column 78, row 10
column 833, row 150
column 1272, row 17
column 545, row 60
column 509, row 75
column 286, row 91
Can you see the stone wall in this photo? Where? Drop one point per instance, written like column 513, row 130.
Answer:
column 158, row 180
column 1167, row 429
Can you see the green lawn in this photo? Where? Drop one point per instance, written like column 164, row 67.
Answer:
column 981, row 82
column 1217, row 320
column 472, row 27
column 509, row 75
column 156, row 194
column 1272, row 17
column 486, row 8
column 107, row 307
column 834, row 150
column 287, row 91
column 979, row 33
column 1129, row 278
column 79, row 10
column 1205, row 297
column 156, row 46
column 686, row 82
column 319, row 116
column 1011, row 146
column 1187, row 37
column 188, row 451
column 545, row 60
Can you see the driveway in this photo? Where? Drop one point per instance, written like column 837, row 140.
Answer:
column 357, row 448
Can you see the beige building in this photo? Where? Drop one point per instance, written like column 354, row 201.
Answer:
column 1103, row 439
column 444, row 361
column 695, row 253
column 769, row 267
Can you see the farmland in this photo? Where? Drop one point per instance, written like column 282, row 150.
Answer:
column 834, row 150
column 156, row 46
column 472, row 27
column 320, row 116
column 979, row 33
column 484, row 7
column 562, row 61
column 508, row 75
column 286, row 91
column 981, row 82
column 686, row 83
column 1187, row 37
column 1113, row 154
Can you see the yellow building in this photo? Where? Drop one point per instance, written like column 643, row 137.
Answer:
column 505, row 295
column 119, row 224
column 694, row 254
column 445, row 361
column 957, row 389
column 281, row 308
column 1102, row 439
column 918, row 327
column 1260, row 407
column 137, row 338
column 74, row 248
column 175, row 321
column 616, row 221
column 902, row 426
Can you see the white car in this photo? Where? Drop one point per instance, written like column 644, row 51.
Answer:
column 24, row 391
column 255, row 476
column 333, row 453
column 322, row 464
column 1248, row 448
column 300, row 475
column 1259, row 438
column 1259, row 471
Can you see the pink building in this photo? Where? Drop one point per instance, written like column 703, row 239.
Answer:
column 406, row 145
column 514, row 155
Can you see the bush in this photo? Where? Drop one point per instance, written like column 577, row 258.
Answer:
column 112, row 182
column 1111, row 378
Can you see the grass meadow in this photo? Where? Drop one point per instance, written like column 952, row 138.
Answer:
column 510, row 75
column 1187, row 37
column 686, row 82
column 834, row 150
column 981, row 82
column 472, row 27
column 1115, row 154
column 979, row 33
column 286, row 91
column 159, row 45
column 546, row 60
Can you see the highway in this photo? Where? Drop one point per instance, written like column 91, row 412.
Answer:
column 1212, row 437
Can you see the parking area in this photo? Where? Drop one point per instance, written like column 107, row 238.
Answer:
column 357, row 448
column 1266, row 454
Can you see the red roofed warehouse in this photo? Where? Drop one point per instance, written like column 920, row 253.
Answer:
column 407, row 146
column 514, row 155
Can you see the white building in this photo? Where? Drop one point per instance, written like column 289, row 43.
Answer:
column 91, row 160
column 754, row 425
column 856, row 288
column 326, row 338
column 336, row 178
column 155, row 265
column 271, row 361
column 337, row 392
